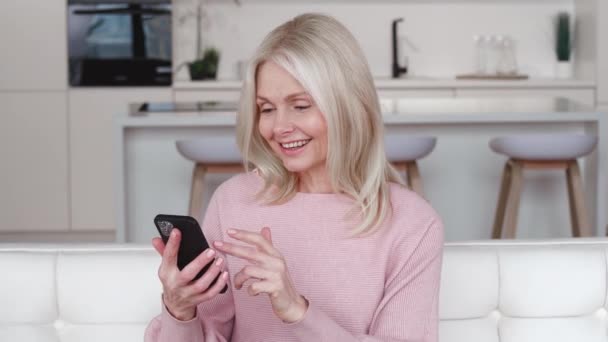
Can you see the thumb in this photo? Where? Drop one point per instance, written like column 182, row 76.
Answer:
column 266, row 234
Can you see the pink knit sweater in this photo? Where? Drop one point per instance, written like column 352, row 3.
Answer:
column 383, row 287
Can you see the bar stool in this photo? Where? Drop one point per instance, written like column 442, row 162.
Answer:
column 210, row 155
column 540, row 151
column 403, row 151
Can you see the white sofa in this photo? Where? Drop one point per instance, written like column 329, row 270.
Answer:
column 491, row 291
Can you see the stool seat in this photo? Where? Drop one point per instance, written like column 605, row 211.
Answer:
column 210, row 150
column 544, row 146
column 403, row 147
column 211, row 154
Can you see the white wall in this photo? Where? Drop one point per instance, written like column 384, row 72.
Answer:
column 440, row 32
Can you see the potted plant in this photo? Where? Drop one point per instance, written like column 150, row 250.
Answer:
column 205, row 67
column 205, row 63
column 563, row 45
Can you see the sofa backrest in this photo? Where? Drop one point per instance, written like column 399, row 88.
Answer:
column 70, row 294
column 490, row 291
column 524, row 292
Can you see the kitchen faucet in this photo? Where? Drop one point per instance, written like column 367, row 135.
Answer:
column 397, row 69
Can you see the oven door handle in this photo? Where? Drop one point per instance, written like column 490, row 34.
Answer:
column 123, row 11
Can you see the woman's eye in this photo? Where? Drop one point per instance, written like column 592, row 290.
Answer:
column 302, row 108
column 266, row 110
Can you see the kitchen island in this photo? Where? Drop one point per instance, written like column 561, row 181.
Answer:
column 461, row 176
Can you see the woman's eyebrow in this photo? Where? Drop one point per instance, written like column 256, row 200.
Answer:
column 291, row 96
column 288, row 97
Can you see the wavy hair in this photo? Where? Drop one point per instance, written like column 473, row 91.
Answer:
column 321, row 54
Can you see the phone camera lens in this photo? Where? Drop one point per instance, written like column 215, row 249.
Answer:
column 165, row 227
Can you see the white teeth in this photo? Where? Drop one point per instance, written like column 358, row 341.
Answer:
column 295, row 144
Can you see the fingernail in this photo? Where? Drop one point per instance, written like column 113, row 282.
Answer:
column 173, row 233
column 218, row 243
column 231, row 231
column 219, row 262
column 210, row 253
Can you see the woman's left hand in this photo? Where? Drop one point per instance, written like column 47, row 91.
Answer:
column 268, row 272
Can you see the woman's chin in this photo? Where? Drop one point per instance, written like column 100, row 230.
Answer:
column 295, row 166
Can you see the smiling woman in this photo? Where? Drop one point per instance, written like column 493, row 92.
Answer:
column 317, row 57
column 319, row 236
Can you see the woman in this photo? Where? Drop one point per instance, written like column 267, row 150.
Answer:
column 321, row 240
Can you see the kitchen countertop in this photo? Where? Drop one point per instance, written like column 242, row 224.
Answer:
column 410, row 110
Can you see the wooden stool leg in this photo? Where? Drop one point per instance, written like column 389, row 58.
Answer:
column 413, row 178
column 578, row 213
column 400, row 166
column 571, row 204
column 196, row 192
column 501, row 206
column 512, row 205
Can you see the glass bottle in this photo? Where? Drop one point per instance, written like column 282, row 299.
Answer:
column 508, row 59
column 481, row 54
column 494, row 53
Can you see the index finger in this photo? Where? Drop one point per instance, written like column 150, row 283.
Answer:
column 171, row 249
column 253, row 238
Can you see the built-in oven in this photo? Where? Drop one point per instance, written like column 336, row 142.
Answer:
column 119, row 42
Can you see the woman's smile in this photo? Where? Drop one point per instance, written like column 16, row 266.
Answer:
column 294, row 148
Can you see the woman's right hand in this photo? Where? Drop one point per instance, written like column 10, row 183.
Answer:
column 181, row 294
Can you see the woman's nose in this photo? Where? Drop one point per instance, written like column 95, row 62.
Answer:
column 282, row 124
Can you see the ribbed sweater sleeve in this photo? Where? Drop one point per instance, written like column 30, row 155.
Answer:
column 408, row 310
column 214, row 319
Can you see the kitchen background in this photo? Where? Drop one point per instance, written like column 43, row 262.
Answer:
column 57, row 142
column 436, row 36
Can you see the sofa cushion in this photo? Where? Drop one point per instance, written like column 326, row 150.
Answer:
column 108, row 287
column 469, row 283
column 27, row 289
column 465, row 330
column 29, row 333
column 590, row 328
column 556, row 281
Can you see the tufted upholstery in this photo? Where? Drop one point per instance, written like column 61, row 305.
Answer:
column 490, row 291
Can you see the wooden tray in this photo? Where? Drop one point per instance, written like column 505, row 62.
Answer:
column 491, row 77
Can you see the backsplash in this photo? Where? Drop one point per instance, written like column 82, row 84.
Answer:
column 436, row 37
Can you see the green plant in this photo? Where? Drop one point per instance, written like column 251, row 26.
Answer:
column 563, row 37
column 206, row 67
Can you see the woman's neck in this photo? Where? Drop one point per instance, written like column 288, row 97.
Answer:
column 314, row 182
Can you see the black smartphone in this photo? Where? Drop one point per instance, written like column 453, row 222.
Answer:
column 192, row 244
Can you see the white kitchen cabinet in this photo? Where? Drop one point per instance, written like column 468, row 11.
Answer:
column 33, row 35
column 582, row 95
column 34, row 167
column 91, row 113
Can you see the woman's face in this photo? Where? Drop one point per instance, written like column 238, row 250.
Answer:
column 290, row 121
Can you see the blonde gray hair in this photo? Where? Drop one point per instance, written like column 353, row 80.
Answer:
column 320, row 53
